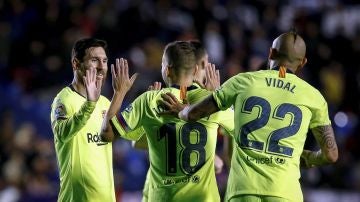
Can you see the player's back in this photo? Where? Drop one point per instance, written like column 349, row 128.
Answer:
column 181, row 154
column 272, row 115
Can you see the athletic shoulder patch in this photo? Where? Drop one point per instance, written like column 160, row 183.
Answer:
column 60, row 111
column 129, row 108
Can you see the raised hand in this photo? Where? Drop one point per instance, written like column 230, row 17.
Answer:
column 212, row 77
column 121, row 84
column 120, row 76
column 155, row 86
column 92, row 85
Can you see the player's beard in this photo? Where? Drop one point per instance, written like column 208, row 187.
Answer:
column 81, row 72
column 103, row 79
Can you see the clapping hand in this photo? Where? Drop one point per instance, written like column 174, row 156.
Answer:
column 92, row 85
column 212, row 79
column 120, row 76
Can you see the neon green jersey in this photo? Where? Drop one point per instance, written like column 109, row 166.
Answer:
column 85, row 163
column 145, row 192
column 272, row 118
column 181, row 154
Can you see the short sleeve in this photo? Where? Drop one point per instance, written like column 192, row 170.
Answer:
column 320, row 115
column 128, row 123
column 226, row 94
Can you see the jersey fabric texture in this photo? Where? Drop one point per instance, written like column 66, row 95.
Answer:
column 258, row 198
column 181, row 154
column 85, row 162
column 272, row 118
column 146, row 188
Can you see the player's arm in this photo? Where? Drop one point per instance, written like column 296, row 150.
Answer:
column 328, row 152
column 121, row 84
column 188, row 112
column 227, row 150
column 65, row 127
column 142, row 142
column 199, row 110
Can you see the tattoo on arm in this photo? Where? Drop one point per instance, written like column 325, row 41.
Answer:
column 325, row 137
column 328, row 153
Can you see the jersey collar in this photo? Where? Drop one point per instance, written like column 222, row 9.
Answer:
column 73, row 89
column 277, row 68
column 192, row 87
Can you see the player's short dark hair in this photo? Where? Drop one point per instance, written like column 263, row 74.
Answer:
column 180, row 55
column 80, row 47
column 200, row 50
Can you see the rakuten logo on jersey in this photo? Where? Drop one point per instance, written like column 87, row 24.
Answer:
column 95, row 139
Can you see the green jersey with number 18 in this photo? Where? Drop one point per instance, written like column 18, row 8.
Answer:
column 273, row 113
column 181, row 154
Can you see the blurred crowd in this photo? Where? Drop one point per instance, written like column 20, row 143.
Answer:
column 36, row 38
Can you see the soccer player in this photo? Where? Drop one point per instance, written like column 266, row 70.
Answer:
column 208, row 78
column 85, row 162
column 181, row 154
column 273, row 111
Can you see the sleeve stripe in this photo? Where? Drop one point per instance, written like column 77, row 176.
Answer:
column 114, row 127
column 123, row 123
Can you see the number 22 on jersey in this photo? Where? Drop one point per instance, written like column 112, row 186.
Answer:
column 264, row 114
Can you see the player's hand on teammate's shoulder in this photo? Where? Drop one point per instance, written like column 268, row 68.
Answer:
column 171, row 104
column 120, row 76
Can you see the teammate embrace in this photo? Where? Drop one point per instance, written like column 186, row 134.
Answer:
column 180, row 123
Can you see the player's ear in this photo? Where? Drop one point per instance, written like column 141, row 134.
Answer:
column 167, row 71
column 75, row 64
column 272, row 53
column 302, row 64
column 203, row 64
column 196, row 70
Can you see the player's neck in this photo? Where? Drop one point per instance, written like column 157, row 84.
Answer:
column 79, row 87
column 276, row 64
column 182, row 83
